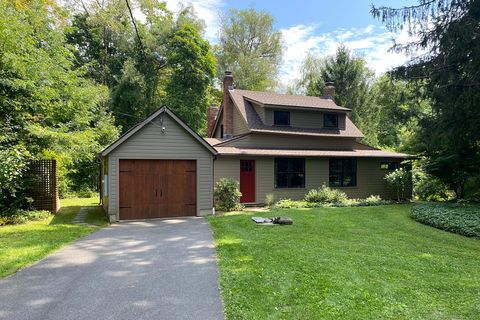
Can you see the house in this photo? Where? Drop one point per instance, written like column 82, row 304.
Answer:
column 271, row 143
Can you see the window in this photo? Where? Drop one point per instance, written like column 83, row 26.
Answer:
column 281, row 118
column 289, row 173
column 389, row 165
column 221, row 131
column 343, row 173
column 330, row 120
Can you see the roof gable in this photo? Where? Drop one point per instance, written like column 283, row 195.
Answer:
column 150, row 119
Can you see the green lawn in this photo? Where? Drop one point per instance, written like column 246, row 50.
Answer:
column 21, row 245
column 346, row 263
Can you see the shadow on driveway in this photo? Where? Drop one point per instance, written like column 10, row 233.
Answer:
column 158, row 269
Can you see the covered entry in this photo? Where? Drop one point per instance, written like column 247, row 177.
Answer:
column 157, row 188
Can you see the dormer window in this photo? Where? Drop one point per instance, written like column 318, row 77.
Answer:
column 281, row 118
column 330, row 120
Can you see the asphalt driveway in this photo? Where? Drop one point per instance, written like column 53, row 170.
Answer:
column 158, row 269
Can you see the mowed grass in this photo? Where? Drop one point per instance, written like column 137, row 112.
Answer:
column 345, row 263
column 22, row 245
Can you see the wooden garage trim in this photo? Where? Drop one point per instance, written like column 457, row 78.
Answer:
column 152, row 117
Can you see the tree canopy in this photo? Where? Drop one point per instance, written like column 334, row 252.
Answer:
column 449, row 31
column 47, row 107
column 250, row 48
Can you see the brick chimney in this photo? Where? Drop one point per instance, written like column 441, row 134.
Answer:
column 227, row 105
column 329, row 90
column 211, row 117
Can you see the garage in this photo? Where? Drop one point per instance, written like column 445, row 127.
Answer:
column 158, row 169
column 157, row 188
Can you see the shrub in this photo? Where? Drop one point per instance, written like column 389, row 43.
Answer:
column 399, row 179
column 426, row 187
column 289, row 203
column 269, row 200
column 86, row 193
column 23, row 216
column 325, row 195
column 431, row 189
column 227, row 195
column 13, row 164
column 459, row 218
column 372, row 201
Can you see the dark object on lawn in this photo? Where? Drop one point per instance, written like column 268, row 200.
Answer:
column 282, row 220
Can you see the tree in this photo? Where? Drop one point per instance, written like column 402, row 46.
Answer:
column 193, row 68
column 138, row 59
column 47, row 107
column 397, row 107
column 448, row 32
column 250, row 48
column 350, row 75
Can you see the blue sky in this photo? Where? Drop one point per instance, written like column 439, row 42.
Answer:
column 316, row 27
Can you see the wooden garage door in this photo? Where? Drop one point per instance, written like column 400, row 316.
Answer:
column 157, row 188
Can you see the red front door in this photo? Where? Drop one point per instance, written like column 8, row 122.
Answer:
column 247, row 180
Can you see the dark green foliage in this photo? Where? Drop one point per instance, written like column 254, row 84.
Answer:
column 146, row 64
column 449, row 137
column 227, row 195
column 47, row 106
column 461, row 218
column 193, row 68
column 21, row 216
column 350, row 76
column 13, row 164
column 392, row 118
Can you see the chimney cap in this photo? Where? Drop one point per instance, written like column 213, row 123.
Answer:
column 329, row 83
column 228, row 73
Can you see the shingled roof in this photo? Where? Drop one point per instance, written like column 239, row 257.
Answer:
column 242, row 99
column 374, row 153
column 278, row 99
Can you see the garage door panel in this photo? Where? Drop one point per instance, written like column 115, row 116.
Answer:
column 157, row 188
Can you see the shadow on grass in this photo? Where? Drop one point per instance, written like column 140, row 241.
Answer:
column 95, row 215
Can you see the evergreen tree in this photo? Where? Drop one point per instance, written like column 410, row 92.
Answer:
column 448, row 31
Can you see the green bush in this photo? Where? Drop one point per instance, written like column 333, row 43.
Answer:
column 461, row 218
column 372, row 201
column 269, row 200
column 400, row 180
column 23, row 216
column 325, row 195
column 227, row 195
column 426, row 187
column 289, row 203
column 13, row 164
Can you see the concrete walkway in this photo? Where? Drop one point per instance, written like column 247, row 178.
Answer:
column 81, row 215
column 159, row 269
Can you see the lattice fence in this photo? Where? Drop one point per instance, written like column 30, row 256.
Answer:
column 44, row 185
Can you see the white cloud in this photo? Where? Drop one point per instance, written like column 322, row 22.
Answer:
column 207, row 10
column 371, row 42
